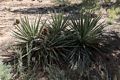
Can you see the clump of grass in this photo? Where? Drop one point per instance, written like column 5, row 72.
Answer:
column 117, row 10
column 112, row 13
column 90, row 6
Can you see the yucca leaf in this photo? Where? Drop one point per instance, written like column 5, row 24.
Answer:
column 27, row 31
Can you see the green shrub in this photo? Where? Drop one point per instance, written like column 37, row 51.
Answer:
column 46, row 45
column 112, row 13
column 86, row 38
column 5, row 71
column 62, row 42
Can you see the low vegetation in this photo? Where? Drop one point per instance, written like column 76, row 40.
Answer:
column 63, row 43
column 5, row 71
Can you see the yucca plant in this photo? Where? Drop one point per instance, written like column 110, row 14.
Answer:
column 61, row 42
column 51, row 47
column 58, row 23
column 43, row 43
column 26, row 31
column 86, row 38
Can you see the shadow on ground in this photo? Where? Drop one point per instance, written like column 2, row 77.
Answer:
column 73, row 8
column 111, row 49
column 47, row 10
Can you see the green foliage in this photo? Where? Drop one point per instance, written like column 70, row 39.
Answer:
column 87, row 29
column 90, row 6
column 117, row 10
column 55, row 73
column 61, row 42
column 27, row 31
column 58, row 24
column 86, row 37
column 48, row 47
column 5, row 72
column 112, row 13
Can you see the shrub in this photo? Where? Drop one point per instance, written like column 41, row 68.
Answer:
column 112, row 13
column 44, row 44
column 5, row 71
column 62, row 42
column 86, row 38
